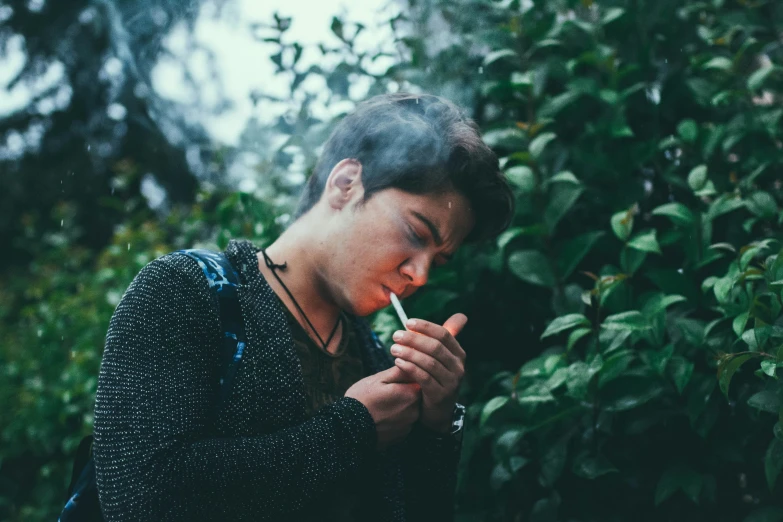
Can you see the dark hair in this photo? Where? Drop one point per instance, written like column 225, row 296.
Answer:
column 420, row 144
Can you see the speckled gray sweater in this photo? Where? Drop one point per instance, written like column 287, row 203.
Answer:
column 163, row 451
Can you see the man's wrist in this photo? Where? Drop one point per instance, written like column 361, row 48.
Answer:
column 447, row 425
column 441, row 427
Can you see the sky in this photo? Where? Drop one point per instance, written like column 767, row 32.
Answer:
column 241, row 62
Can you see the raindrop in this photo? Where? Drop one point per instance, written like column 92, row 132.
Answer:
column 88, row 148
column 61, row 222
column 680, row 271
column 481, row 70
column 128, row 246
column 449, row 204
column 112, row 191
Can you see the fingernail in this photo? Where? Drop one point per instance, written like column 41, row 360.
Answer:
column 411, row 323
column 397, row 335
column 395, row 350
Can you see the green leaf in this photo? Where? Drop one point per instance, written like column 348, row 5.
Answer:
column 574, row 250
column 512, row 233
column 591, row 467
column 757, row 79
column 646, row 242
column 491, row 407
column 773, row 462
column 631, row 259
column 499, row 477
column 659, row 359
column 497, row 55
column 723, row 205
column 627, row 392
column 762, row 204
column 575, row 336
column 579, row 376
column 688, row 130
column 337, row 28
column 766, row 400
column 678, row 213
column 562, row 198
column 679, row 478
column 622, row 223
column 564, row 177
column 697, row 177
column 533, row 267
column 659, row 303
column 552, row 462
column 722, row 288
column 738, row 325
column 728, row 366
column 769, row 367
column 707, row 190
column 509, row 137
column 720, row 63
column 614, row 366
column 564, row 323
column 522, row 177
column 505, row 445
column 765, row 514
column 631, row 320
column 538, row 145
column 553, row 106
column 612, row 14
column 680, row 370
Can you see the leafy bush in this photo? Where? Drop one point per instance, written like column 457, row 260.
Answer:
column 644, row 145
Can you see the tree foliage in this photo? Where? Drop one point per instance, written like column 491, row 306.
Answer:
column 625, row 336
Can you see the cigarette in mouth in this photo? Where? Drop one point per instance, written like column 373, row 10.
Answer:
column 398, row 308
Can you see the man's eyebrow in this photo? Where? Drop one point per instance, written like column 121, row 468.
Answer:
column 434, row 231
column 430, row 225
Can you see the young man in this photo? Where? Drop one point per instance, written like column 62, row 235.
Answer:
column 321, row 423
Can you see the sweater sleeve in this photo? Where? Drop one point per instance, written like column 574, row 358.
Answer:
column 156, row 453
column 430, row 474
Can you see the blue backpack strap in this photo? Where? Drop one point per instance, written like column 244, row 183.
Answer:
column 223, row 280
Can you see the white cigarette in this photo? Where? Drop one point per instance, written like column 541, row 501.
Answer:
column 398, row 308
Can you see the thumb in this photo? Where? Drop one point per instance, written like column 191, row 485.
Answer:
column 393, row 374
column 455, row 324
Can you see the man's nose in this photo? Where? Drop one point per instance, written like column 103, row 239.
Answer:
column 416, row 269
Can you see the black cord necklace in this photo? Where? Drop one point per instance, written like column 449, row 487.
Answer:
column 274, row 268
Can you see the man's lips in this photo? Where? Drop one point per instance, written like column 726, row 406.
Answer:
column 387, row 291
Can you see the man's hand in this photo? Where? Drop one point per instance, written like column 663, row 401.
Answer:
column 393, row 403
column 431, row 356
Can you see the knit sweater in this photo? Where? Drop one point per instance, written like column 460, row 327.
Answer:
column 164, row 452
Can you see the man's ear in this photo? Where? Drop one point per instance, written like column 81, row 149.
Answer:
column 344, row 184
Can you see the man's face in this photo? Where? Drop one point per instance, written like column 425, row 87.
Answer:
column 390, row 243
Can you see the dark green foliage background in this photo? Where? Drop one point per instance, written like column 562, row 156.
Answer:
column 625, row 334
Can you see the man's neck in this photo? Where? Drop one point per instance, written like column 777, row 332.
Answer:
column 304, row 281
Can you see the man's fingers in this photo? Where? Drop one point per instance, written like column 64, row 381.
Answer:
column 395, row 375
column 429, row 385
column 455, row 324
column 444, row 334
column 439, row 370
